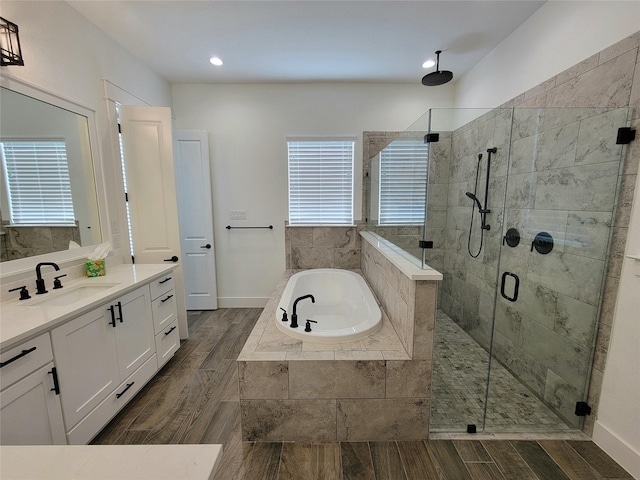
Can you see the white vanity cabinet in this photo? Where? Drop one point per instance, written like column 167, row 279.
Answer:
column 103, row 358
column 30, row 411
column 165, row 318
column 105, row 343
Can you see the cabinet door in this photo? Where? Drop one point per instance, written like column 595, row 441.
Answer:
column 87, row 362
column 134, row 335
column 30, row 412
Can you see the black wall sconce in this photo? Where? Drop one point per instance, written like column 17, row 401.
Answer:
column 10, row 52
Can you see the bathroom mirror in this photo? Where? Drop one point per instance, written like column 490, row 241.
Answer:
column 27, row 125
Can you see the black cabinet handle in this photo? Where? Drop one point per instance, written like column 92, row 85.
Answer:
column 168, row 297
column 172, row 259
column 113, row 316
column 56, row 385
column 170, row 330
column 129, row 385
column 515, row 289
column 165, row 280
column 20, row 355
column 120, row 310
column 207, row 246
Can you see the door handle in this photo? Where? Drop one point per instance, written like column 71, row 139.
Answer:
column 515, row 288
column 207, row 246
column 172, row 259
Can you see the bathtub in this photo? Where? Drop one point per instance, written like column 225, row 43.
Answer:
column 344, row 307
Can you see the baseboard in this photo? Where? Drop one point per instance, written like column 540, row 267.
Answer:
column 617, row 449
column 242, row 302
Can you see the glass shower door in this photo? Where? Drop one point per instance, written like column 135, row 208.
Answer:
column 473, row 146
column 559, row 205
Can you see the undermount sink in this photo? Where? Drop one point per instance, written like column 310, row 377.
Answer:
column 56, row 298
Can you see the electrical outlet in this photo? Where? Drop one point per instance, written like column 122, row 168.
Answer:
column 115, row 226
column 238, row 214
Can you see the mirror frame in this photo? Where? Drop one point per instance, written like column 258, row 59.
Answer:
column 25, row 265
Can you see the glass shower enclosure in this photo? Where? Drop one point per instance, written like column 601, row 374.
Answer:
column 520, row 207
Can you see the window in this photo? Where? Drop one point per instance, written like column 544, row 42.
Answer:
column 403, row 183
column 321, row 182
column 38, row 187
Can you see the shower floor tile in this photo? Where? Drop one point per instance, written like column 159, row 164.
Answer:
column 460, row 369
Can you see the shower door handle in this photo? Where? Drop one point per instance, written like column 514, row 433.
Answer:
column 515, row 288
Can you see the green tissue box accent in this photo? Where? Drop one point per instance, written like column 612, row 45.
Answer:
column 96, row 268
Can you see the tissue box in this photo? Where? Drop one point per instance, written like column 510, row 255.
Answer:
column 96, row 268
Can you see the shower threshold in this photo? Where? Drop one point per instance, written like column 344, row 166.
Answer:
column 458, row 391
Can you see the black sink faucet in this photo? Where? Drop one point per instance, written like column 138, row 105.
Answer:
column 294, row 317
column 40, row 288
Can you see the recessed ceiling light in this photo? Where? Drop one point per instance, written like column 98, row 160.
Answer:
column 428, row 64
column 215, row 61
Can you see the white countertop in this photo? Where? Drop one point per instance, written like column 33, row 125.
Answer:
column 23, row 319
column 109, row 462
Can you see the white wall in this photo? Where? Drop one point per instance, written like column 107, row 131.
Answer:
column 68, row 56
column 558, row 36
column 248, row 126
column 617, row 429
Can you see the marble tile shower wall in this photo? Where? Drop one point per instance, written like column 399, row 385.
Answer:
column 469, row 283
column 562, row 180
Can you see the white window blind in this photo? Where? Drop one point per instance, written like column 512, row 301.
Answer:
column 403, row 182
column 321, row 182
column 37, row 182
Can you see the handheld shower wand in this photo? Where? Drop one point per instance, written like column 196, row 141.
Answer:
column 474, row 198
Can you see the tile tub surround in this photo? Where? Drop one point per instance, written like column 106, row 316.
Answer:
column 292, row 390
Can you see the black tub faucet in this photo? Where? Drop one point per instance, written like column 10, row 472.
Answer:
column 294, row 316
column 40, row 288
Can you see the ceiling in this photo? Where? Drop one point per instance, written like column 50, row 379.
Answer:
column 306, row 40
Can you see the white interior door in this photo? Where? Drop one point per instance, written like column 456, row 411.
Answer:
column 148, row 158
column 195, row 214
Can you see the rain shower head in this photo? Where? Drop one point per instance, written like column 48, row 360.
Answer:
column 439, row 76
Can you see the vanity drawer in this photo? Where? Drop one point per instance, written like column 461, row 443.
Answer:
column 27, row 357
column 90, row 425
column 167, row 342
column 164, row 311
column 162, row 285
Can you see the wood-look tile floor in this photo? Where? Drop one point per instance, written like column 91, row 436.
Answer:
column 194, row 399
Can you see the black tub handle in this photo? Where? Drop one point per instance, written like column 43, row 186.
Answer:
column 515, row 288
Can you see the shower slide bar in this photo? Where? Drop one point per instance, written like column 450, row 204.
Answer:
column 229, row 227
column 474, row 196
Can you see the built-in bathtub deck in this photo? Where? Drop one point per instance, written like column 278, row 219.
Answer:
column 268, row 343
column 375, row 388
